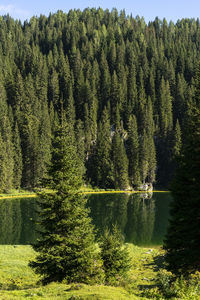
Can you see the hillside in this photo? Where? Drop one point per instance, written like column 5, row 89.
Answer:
column 124, row 87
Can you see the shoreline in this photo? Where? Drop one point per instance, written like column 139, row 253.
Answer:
column 7, row 196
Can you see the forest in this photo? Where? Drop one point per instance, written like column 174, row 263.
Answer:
column 124, row 87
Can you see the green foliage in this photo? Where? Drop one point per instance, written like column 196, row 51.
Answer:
column 89, row 60
column 66, row 248
column 120, row 163
column 178, row 288
column 182, row 240
column 133, row 151
column 103, row 161
column 115, row 256
column 177, row 141
column 17, row 159
column 18, row 281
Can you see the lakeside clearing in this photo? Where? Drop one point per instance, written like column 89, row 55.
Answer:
column 18, row 281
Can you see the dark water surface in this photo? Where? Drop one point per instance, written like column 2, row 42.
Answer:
column 142, row 218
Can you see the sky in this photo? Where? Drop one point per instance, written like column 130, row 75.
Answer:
column 149, row 9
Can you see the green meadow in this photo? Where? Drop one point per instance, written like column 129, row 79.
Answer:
column 18, row 281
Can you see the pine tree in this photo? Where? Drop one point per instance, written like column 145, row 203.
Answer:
column 79, row 137
column 17, row 158
column 120, row 160
column 44, row 152
column 105, row 81
column 115, row 256
column 133, row 151
column 3, row 170
column 165, row 106
column 53, row 90
column 7, row 142
column 182, row 240
column 144, row 155
column 131, row 91
column 177, row 141
column 104, row 166
column 66, row 248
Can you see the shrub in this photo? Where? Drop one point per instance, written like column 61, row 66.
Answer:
column 115, row 256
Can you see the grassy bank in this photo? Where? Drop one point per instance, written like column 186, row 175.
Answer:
column 27, row 194
column 17, row 281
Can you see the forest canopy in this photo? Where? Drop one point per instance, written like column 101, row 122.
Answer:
column 124, row 86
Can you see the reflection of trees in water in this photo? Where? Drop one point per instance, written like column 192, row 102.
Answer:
column 28, row 211
column 108, row 209
column 141, row 219
column 133, row 213
column 16, row 225
column 10, row 221
column 162, row 216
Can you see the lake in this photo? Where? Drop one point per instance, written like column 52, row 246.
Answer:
column 142, row 218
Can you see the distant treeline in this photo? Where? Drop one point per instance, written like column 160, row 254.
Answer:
column 123, row 85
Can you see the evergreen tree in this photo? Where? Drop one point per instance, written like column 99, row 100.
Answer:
column 115, row 256
column 131, row 91
column 66, row 248
column 3, row 171
column 177, row 140
column 79, row 137
column 182, row 240
column 120, row 160
column 7, row 142
column 133, row 151
column 150, row 128
column 44, row 147
column 110, row 58
column 104, row 165
column 165, row 106
column 144, row 155
column 17, row 158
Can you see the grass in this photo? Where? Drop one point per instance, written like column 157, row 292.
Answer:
column 85, row 190
column 18, row 281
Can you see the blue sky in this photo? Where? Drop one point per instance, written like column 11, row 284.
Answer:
column 149, row 9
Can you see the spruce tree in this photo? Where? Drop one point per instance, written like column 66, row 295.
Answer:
column 104, row 166
column 182, row 241
column 7, row 142
column 133, row 151
column 115, row 256
column 120, row 160
column 66, row 248
column 79, row 137
column 17, row 158
column 144, row 155
column 177, row 141
column 3, row 170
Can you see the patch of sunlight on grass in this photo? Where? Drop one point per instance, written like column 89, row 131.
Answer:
column 18, row 281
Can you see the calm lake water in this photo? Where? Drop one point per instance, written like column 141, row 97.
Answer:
column 142, row 218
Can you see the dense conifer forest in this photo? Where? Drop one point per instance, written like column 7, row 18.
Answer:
column 125, row 87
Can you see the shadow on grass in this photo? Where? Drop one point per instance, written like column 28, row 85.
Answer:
column 15, row 284
column 157, row 264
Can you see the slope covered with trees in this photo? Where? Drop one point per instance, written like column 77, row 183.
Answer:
column 182, row 240
column 124, row 86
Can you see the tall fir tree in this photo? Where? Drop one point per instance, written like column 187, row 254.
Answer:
column 144, row 155
column 120, row 160
column 182, row 239
column 18, row 165
column 3, row 171
column 104, row 165
column 7, row 141
column 66, row 248
column 133, row 152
